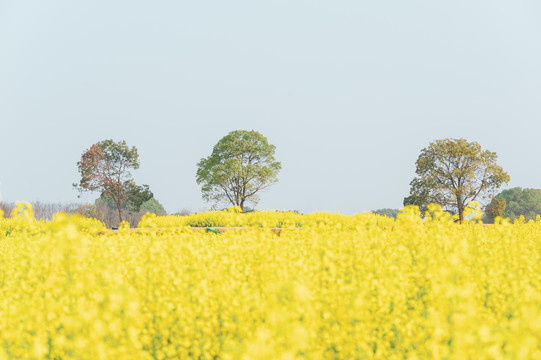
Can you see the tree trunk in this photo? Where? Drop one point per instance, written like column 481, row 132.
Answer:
column 460, row 211
column 460, row 206
column 120, row 214
column 119, row 207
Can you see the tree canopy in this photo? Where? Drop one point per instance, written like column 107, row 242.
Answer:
column 106, row 168
column 151, row 205
column 518, row 201
column 495, row 208
column 454, row 172
column 241, row 165
column 136, row 198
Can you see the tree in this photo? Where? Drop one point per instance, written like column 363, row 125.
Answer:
column 495, row 208
column 452, row 173
column 105, row 168
column 519, row 201
column 153, row 206
column 136, row 196
column 241, row 165
column 387, row 212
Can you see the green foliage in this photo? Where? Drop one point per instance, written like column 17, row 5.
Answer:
column 136, row 196
column 495, row 208
column 241, row 165
column 520, row 201
column 120, row 156
column 153, row 206
column 453, row 172
column 387, row 212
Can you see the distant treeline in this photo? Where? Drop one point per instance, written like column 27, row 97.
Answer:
column 387, row 212
column 101, row 210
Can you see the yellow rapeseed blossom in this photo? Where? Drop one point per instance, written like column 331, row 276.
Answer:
column 327, row 286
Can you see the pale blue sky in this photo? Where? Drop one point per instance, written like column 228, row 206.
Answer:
column 348, row 91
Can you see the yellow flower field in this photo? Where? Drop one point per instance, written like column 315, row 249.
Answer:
column 335, row 287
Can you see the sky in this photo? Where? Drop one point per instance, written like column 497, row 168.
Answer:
column 349, row 92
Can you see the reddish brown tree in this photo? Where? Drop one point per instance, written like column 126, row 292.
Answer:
column 105, row 168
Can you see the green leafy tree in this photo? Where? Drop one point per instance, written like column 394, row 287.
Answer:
column 495, row 208
column 136, row 196
column 106, row 168
column 453, row 172
column 153, row 206
column 519, row 201
column 241, row 165
column 387, row 212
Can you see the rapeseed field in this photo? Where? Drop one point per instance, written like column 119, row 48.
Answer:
column 327, row 286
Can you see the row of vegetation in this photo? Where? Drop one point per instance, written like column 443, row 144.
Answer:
column 510, row 203
column 241, row 165
column 264, row 219
column 101, row 210
column 450, row 172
